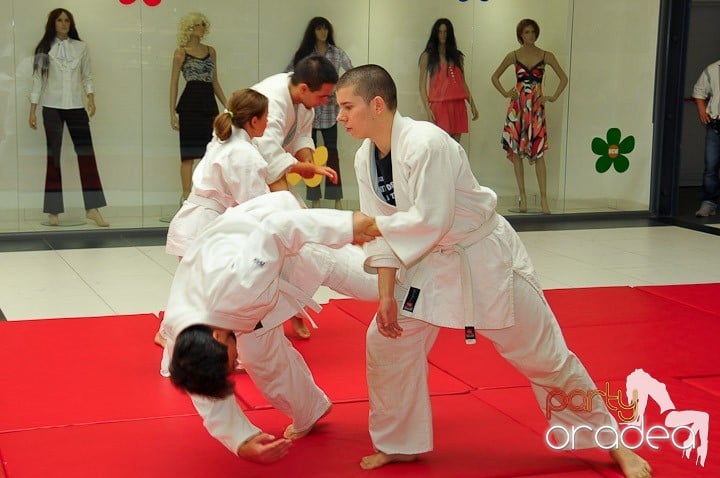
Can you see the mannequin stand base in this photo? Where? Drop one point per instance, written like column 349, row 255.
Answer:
column 71, row 222
column 530, row 210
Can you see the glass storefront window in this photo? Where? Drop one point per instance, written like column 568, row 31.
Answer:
column 599, row 130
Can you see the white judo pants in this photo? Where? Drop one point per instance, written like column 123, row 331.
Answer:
column 397, row 373
column 277, row 368
column 281, row 374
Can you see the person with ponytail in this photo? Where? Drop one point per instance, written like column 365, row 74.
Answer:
column 62, row 84
column 232, row 170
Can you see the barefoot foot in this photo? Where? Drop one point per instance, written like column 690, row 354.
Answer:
column 160, row 339
column 300, row 328
column 631, row 464
column 292, row 434
column 95, row 216
column 379, row 459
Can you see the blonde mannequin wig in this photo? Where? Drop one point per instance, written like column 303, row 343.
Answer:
column 186, row 25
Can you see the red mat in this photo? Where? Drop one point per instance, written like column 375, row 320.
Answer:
column 581, row 306
column 70, row 371
column 520, row 404
column 684, row 347
column 471, row 440
column 361, row 310
column 83, row 397
column 336, row 356
column 612, row 305
column 710, row 385
column 700, row 296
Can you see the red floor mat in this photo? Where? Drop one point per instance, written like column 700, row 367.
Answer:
column 471, row 440
column 684, row 347
column 70, row 371
column 710, row 385
column 100, row 377
column 359, row 309
column 611, row 305
column 699, row 296
column 335, row 354
column 520, row 404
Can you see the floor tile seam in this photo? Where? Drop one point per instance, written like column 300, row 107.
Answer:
column 90, row 286
column 141, row 251
column 97, row 422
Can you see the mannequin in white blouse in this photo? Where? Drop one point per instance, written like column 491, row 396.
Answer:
column 62, row 59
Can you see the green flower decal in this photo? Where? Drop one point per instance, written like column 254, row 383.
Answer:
column 612, row 152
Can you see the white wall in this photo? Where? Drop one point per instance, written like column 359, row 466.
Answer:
column 607, row 48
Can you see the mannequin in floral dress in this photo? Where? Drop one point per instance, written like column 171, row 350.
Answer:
column 525, row 132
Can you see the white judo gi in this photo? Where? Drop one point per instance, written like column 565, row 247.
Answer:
column 459, row 264
column 230, row 173
column 289, row 127
column 234, row 277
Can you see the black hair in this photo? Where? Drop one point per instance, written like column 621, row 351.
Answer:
column 314, row 71
column 199, row 363
column 369, row 81
column 452, row 53
column 41, row 61
column 307, row 45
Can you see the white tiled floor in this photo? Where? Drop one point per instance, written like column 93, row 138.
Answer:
column 126, row 280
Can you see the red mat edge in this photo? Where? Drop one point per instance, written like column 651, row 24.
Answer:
column 90, row 317
column 359, row 400
column 651, row 290
column 99, row 422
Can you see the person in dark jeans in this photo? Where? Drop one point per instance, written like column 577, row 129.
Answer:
column 707, row 98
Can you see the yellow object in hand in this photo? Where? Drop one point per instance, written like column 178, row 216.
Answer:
column 320, row 157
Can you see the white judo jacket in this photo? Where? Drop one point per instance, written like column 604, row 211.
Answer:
column 456, row 256
column 289, row 127
column 230, row 173
column 231, row 278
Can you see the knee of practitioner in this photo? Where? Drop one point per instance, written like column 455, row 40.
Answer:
column 434, row 220
column 214, row 296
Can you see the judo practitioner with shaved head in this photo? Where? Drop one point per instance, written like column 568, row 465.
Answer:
column 235, row 281
column 445, row 258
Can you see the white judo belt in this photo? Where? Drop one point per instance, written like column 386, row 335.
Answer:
column 460, row 249
column 301, row 298
column 207, row 203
